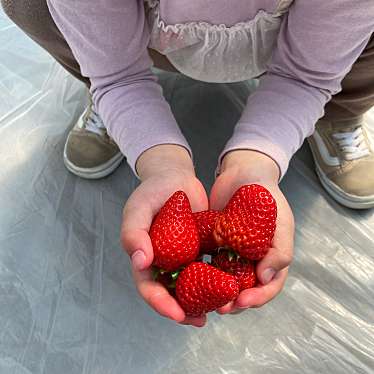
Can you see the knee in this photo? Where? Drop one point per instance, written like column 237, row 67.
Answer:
column 14, row 10
column 7, row 7
column 29, row 15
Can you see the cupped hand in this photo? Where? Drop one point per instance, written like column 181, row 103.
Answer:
column 163, row 170
column 247, row 167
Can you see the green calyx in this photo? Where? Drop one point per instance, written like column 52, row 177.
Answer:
column 231, row 254
column 157, row 272
column 172, row 285
column 175, row 274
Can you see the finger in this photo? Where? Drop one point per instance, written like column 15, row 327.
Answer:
column 138, row 245
column 272, row 263
column 258, row 296
column 157, row 297
column 228, row 308
column 137, row 219
column 198, row 198
column 280, row 255
column 221, row 193
column 195, row 321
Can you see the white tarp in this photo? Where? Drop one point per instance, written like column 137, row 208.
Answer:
column 67, row 300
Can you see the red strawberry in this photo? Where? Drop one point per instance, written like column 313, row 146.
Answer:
column 201, row 288
column 248, row 222
column 205, row 222
column 174, row 235
column 242, row 269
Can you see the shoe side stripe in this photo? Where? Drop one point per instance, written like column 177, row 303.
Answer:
column 324, row 152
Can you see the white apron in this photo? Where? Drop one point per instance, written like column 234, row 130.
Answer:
column 217, row 53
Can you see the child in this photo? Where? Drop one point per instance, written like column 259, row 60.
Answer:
column 302, row 49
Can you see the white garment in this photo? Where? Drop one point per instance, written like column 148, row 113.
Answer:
column 217, row 53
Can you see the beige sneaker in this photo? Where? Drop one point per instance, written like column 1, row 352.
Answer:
column 344, row 158
column 89, row 152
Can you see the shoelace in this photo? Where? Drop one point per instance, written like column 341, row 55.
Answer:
column 94, row 123
column 352, row 144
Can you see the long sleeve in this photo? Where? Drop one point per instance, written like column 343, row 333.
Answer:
column 109, row 39
column 318, row 43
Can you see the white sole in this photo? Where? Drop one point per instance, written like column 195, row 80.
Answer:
column 342, row 197
column 98, row 172
column 350, row 201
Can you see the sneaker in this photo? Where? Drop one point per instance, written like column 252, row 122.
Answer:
column 344, row 158
column 89, row 152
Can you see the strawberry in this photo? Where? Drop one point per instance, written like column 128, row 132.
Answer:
column 201, row 288
column 248, row 222
column 205, row 222
column 174, row 235
column 243, row 270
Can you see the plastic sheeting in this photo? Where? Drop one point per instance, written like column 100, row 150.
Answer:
column 67, row 301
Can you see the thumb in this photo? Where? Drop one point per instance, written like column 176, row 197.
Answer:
column 137, row 219
column 280, row 255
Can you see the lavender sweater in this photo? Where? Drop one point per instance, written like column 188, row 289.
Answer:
column 318, row 43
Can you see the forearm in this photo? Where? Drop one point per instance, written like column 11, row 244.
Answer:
column 109, row 40
column 138, row 117
column 318, row 43
column 277, row 118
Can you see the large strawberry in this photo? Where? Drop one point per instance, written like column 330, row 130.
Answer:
column 243, row 270
column 201, row 288
column 174, row 235
column 205, row 222
column 248, row 222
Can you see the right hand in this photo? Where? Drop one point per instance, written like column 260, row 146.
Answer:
column 243, row 167
column 163, row 170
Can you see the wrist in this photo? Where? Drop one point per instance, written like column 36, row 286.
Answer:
column 164, row 158
column 252, row 165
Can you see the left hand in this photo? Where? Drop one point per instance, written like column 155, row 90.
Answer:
column 247, row 167
column 163, row 170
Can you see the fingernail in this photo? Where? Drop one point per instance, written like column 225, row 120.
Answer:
column 138, row 260
column 268, row 275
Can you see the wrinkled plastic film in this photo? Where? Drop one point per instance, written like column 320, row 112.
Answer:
column 67, row 300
